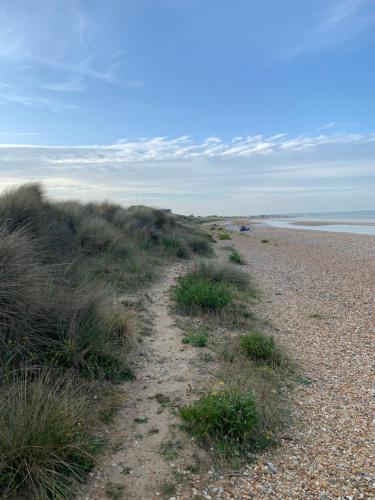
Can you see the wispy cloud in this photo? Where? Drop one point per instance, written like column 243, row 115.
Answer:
column 339, row 21
column 69, row 85
column 162, row 149
column 253, row 174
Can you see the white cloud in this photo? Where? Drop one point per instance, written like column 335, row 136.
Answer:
column 248, row 174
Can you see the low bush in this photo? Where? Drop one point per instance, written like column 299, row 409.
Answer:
column 236, row 258
column 46, row 441
column 200, row 246
column 224, row 236
column 227, row 420
column 222, row 272
column 261, row 347
column 198, row 293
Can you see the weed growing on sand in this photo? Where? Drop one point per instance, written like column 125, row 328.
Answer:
column 265, row 241
column 196, row 339
column 236, row 258
column 224, row 236
column 227, row 420
column 316, row 315
column 260, row 347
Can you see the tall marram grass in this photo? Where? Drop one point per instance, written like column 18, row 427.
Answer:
column 61, row 266
column 46, row 441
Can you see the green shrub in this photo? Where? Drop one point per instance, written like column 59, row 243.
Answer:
column 198, row 293
column 200, row 246
column 260, row 347
column 228, row 420
column 224, row 236
column 46, row 441
column 222, row 272
column 236, row 258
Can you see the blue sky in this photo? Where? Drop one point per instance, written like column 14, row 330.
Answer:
column 204, row 106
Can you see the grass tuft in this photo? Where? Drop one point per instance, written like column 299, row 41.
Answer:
column 224, row 236
column 196, row 339
column 236, row 258
column 197, row 293
column 46, row 444
column 227, row 420
column 260, row 347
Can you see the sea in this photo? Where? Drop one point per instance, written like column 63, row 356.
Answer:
column 359, row 222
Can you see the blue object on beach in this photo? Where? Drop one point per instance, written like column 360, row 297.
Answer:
column 244, row 228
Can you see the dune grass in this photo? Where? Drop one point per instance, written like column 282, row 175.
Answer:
column 62, row 265
column 46, row 443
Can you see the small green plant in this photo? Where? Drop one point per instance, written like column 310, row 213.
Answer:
column 316, row 315
column 236, row 258
column 258, row 346
column 167, row 489
column 224, row 236
column 197, row 293
column 228, row 420
column 196, row 340
column 265, row 241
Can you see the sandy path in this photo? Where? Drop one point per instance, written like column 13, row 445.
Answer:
column 135, row 467
column 331, row 452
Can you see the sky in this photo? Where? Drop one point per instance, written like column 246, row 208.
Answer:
column 230, row 107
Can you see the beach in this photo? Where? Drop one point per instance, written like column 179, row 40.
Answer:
column 318, row 292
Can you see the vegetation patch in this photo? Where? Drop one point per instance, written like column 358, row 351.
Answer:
column 236, row 258
column 224, row 236
column 260, row 347
column 317, row 315
column 46, row 441
column 227, row 420
column 197, row 293
column 62, row 265
column 196, row 339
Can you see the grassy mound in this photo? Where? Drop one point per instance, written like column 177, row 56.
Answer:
column 61, row 267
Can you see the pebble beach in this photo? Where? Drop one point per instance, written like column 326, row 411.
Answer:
column 318, row 290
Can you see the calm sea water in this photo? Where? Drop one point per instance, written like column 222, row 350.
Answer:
column 346, row 222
